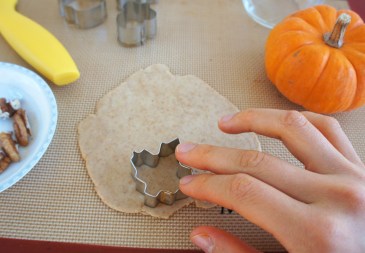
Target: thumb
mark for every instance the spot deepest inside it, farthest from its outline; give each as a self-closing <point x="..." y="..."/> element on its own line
<point x="214" y="240"/>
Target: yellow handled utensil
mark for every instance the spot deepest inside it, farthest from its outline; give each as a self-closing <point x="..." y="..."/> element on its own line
<point x="36" y="45"/>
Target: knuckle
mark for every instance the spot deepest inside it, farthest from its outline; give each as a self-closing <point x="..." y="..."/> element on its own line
<point x="331" y="123"/>
<point x="241" y="188"/>
<point x="252" y="159"/>
<point x="294" y="119"/>
<point x="356" y="198"/>
<point x="352" y="195"/>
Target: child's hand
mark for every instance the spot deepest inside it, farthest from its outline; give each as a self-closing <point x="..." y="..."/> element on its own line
<point x="319" y="209"/>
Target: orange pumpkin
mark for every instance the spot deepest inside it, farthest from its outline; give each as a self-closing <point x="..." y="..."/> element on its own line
<point x="316" y="58"/>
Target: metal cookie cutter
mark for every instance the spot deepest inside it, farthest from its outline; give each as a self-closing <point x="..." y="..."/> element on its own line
<point x="83" y="13"/>
<point x="121" y="3"/>
<point x="136" y="22"/>
<point x="152" y="161"/>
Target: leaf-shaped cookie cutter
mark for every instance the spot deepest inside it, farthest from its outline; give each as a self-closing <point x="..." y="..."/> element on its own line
<point x="83" y="13"/>
<point x="136" y="22"/>
<point x="152" y="160"/>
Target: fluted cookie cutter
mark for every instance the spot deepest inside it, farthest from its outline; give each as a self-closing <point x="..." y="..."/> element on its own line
<point x="152" y="161"/>
<point x="83" y="13"/>
<point x="136" y="22"/>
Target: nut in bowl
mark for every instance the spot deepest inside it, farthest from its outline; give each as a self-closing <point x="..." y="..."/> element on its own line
<point x="9" y="141"/>
<point x="31" y="127"/>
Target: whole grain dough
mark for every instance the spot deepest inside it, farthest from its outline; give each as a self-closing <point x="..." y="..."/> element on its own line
<point x="152" y="106"/>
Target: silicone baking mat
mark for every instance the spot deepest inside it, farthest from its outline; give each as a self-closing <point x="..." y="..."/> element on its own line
<point x="214" y="40"/>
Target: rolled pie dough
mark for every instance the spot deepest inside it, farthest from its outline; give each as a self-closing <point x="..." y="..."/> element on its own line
<point x="152" y="106"/>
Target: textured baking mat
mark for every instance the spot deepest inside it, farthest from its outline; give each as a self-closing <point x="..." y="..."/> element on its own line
<point x="214" y="40"/>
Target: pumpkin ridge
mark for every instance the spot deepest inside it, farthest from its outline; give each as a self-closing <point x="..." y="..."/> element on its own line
<point x="329" y="16"/>
<point x="288" y="55"/>
<point x="350" y="34"/>
<point x="319" y="29"/>
<point x="328" y="55"/>
<point x="306" y="32"/>
<point x="349" y="49"/>
<point x="353" y="100"/>
<point x="315" y="28"/>
<point x="322" y="19"/>
<point x="330" y="108"/>
<point x="301" y="30"/>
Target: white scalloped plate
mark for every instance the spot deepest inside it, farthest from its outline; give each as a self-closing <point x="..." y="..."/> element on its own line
<point x="40" y="104"/>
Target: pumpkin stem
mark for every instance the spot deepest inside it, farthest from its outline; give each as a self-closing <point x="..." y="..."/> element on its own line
<point x="335" y="38"/>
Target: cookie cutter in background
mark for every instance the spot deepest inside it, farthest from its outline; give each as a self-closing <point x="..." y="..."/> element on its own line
<point x="151" y="160"/>
<point x="83" y="13"/>
<point x="121" y="3"/>
<point x="136" y="22"/>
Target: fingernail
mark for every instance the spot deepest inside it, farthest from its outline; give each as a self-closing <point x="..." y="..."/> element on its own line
<point x="227" y="117"/>
<point x="186" y="179"/>
<point x="185" y="147"/>
<point x="204" y="242"/>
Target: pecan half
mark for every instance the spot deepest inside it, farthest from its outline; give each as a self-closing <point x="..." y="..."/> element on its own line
<point x="21" y="128"/>
<point x="4" y="161"/>
<point x="6" y="110"/>
<point x="8" y="145"/>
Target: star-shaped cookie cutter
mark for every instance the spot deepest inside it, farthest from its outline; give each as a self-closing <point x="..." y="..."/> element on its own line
<point x="136" y="22"/>
<point x="83" y="13"/>
<point x="152" y="160"/>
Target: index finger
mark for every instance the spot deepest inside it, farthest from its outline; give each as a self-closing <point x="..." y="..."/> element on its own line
<point x="296" y="132"/>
